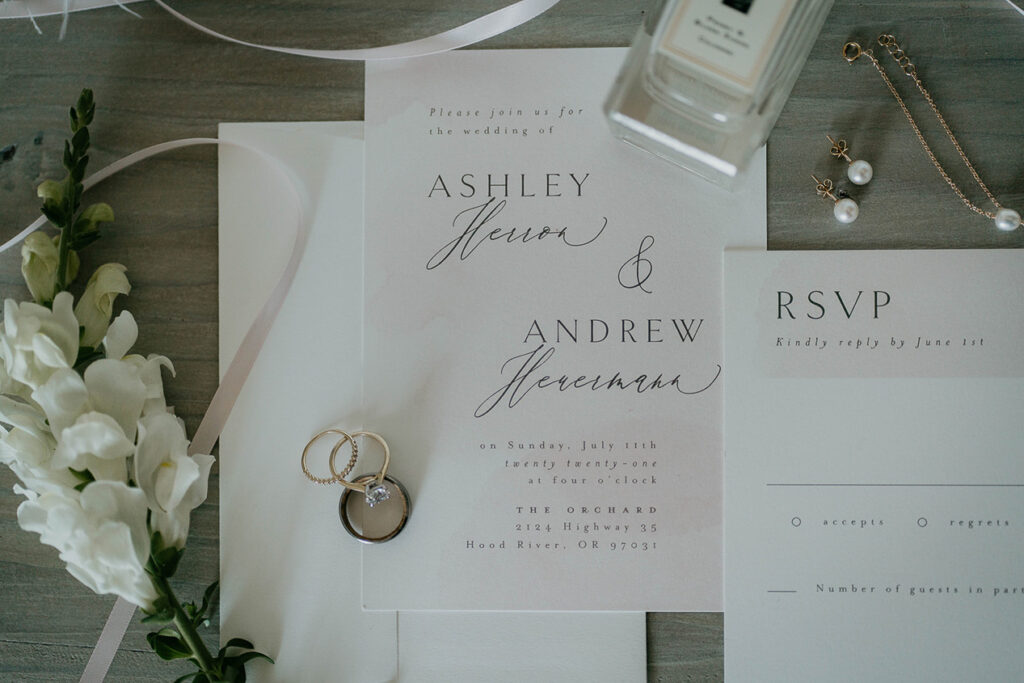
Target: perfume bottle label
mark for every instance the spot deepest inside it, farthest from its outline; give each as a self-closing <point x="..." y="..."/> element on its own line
<point x="728" y="40"/>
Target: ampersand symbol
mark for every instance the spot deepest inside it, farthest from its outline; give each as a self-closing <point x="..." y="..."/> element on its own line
<point x="637" y="270"/>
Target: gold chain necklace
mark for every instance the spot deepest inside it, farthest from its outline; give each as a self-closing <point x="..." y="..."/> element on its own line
<point x="1005" y="219"/>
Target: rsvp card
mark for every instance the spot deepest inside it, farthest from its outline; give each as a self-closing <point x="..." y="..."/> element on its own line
<point x="874" y="481"/>
<point x="543" y="341"/>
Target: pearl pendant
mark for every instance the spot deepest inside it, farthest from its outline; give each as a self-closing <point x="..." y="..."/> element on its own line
<point x="1007" y="219"/>
<point x="846" y="210"/>
<point x="860" y="172"/>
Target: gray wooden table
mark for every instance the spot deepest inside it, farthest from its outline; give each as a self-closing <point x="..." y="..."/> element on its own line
<point x="156" y="79"/>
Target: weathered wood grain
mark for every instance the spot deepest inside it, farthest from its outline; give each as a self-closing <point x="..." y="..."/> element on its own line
<point x="156" y="79"/>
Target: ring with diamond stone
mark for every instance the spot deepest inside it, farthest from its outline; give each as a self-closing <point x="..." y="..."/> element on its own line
<point x="376" y="492"/>
<point x="359" y="485"/>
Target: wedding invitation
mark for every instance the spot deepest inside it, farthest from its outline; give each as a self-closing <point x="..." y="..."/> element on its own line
<point x="290" y="575"/>
<point x="543" y="341"/>
<point x="874" y="502"/>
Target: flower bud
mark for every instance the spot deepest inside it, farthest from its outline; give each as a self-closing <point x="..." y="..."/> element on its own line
<point x="97" y="303"/>
<point x="39" y="259"/>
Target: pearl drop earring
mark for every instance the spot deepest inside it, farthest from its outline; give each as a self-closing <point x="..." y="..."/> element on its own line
<point x="845" y="210"/>
<point x="860" y="171"/>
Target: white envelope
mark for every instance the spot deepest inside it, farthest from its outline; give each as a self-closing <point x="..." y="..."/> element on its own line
<point x="290" y="576"/>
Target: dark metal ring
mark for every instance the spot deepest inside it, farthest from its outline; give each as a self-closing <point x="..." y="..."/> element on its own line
<point x="347" y="523"/>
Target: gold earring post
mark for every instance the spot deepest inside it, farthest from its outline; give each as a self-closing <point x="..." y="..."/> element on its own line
<point x="824" y="188"/>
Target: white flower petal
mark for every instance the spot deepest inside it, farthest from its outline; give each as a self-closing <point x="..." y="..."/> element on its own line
<point x="19" y="446"/>
<point x="95" y="443"/>
<point x="197" y="493"/>
<point x="64" y="330"/>
<point x="175" y="482"/>
<point x="63" y="398"/>
<point x="47" y="352"/>
<point x="108" y="500"/>
<point x="22" y="416"/>
<point x="30" y="458"/>
<point x="149" y="373"/>
<point x="36" y="340"/>
<point x="121" y="336"/>
<point x="173" y="527"/>
<point x="115" y="389"/>
<point x="97" y="434"/>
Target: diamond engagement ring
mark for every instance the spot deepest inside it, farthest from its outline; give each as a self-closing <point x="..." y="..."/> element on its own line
<point x="382" y="493"/>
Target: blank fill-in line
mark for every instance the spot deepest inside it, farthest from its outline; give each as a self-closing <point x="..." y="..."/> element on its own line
<point x="782" y="591"/>
<point x="1010" y="486"/>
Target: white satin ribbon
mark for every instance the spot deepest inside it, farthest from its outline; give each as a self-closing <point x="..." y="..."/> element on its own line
<point x="485" y="27"/>
<point x="26" y="9"/>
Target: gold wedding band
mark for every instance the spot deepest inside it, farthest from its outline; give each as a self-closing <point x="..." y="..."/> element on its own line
<point x="359" y="484"/>
<point x="345" y="437"/>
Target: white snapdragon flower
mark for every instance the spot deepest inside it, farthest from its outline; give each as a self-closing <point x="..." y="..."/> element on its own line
<point x="109" y="386"/>
<point x="95" y="442"/>
<point x="28" y="447"/>
<point x="39" y="260"/>
<point x="36" y="341"/>
<point x="97" y="302"/>
<point x="121" y="336"/>
<point x="93" y="418"/>
<point x="175" y="482"/>
<point x="100" y="533"/>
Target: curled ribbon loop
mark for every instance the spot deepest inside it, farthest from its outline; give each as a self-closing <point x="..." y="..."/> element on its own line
<point x="482" y="28"/>
<point x="485" y="27"/>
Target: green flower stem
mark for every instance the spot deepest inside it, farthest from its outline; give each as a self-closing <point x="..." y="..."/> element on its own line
<point x="185" y="628"/>
<point x="63" y="254"/>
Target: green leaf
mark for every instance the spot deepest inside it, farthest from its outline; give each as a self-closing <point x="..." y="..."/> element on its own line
<point x="168" y="646"/>
<point x="233" y="672"/>
<point x="68" y="160"/>
<point x="211" y="590"/>
<point x="167" y="561"/>
<point x="53" y="214"/>
<point x="246" y="657"/>
<point x="79" y="241"/>
<point x="86" y="107"/>
<point x="78" y="172"/>
<point x="86" y="355"/>
<point x="182" y="679"/>
<point x="80" y="141"/>
<point x="82" y="475"/>
<point x="235" y="642"/>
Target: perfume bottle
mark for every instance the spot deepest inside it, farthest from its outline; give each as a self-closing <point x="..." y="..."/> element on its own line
<point x="705" y="80"/>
